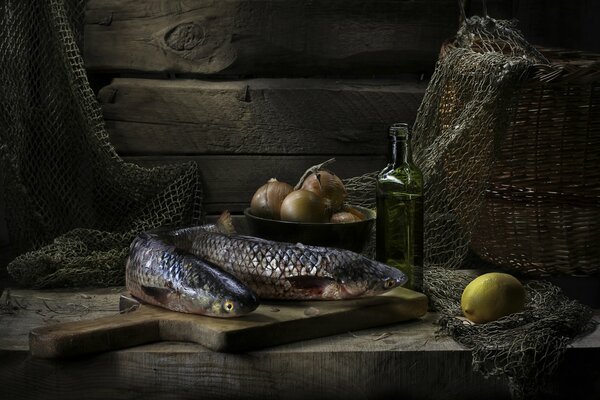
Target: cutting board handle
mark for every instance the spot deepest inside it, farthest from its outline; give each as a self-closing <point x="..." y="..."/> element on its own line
<point x="85" y="337"/>
<point x="271" y="324"/>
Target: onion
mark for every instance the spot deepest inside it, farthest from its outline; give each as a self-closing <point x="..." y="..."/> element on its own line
<point x="329" y="187"/>
<point x="359" y="215"/>
<point x="303" y="206"/>
<point x="324" y="184"/>
<point x="266" y="202"/>
<point x="344" y="217"/>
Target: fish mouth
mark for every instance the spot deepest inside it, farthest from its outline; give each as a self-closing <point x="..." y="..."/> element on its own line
<point x="220" y="306"/>
<point x="239" y="307"/>
<point x="392" y="283"/>
<point x="246" y="308"/>
<point x="239" y="311"/>
<point x="397" y="281"/>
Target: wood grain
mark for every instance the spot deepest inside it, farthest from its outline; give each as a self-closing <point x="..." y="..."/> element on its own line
<point x="22" y="310"/>
<point x="267" y="37"/>
<point x="257" y="116"/>
<point x="271" y="324"/>
<point x="406" y="360"/>
<point x="231" y="180"/>
<point x="180" y="371"/>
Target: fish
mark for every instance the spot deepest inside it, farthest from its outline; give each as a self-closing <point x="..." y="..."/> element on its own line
<point x="159" y="273"/>
<point x="280" y="270"/>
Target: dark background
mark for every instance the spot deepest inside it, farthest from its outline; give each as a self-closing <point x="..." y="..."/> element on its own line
<point x="555" y="23"/>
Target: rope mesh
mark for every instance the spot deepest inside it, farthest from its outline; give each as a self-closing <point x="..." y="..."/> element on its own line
<point x="73" y="205"/>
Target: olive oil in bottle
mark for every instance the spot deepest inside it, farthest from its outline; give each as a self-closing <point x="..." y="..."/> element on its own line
<point x="400" y="210"/>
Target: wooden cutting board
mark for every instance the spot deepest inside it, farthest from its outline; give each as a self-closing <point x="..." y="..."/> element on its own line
<point x="271" y="324"/>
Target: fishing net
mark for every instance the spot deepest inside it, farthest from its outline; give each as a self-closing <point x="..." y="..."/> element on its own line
<point x="73" y="205"/>
<point x="460" y="125"/>
<point x="525" y="347"/>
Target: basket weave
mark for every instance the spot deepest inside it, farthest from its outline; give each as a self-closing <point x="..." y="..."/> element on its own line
<point x="542" y="209"/>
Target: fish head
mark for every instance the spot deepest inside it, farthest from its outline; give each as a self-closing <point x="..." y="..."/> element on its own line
<point x="203" y="288"/>
<point x="363" y="277"/>
<point x="356" y="276"/>
<point x="239" y="300"/>
<point x="226" y="298"/>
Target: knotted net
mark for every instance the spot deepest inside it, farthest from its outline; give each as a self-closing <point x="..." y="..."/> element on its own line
<point x="73" y="205"/>
<point x="460" y="125"/>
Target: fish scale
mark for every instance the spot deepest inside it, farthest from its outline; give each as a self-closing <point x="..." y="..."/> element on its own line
<point x="277" y="270"/>
<point x="161" y="274"/>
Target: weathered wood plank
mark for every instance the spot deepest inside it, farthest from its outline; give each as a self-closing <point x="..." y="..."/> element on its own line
<point x="406" y="360"/>
<point x="182" y="371"/>
<point x="22" y="310"/>
<point x="3" y="229"/>
<point x="231" y="180"/>
<point x="5" y="250"/>
<point x="272" y="323"/>
<point x="174" y="373"/>
<point x="259" y="116"/>
<point x="273" y="37"/>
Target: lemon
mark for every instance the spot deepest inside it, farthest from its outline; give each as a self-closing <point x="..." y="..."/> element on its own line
<point x="491" y="296"/>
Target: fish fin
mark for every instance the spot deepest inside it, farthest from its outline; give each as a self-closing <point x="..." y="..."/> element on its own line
<point x="225" y="223"/>
<point x="255" y="239"/>
<point x="316" y="283"/>
<point x="160" y="294"/>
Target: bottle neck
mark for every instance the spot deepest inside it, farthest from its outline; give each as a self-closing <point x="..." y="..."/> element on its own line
<point x="400" y="152"/>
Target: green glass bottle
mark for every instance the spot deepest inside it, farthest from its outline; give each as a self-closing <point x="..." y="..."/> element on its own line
<point x="400" y="210"/>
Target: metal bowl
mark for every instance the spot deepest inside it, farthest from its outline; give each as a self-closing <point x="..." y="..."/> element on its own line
<point x="351" y="235"/>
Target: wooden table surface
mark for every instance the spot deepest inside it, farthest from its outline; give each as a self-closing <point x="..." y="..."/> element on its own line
<point x="407" y="360"/>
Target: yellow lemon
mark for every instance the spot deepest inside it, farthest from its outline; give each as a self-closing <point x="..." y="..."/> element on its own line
<point x="491" y="296"/>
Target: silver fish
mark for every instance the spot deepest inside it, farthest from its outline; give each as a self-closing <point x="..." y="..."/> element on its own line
<point x="277" y="270"/>
<point x="160" y="274"/>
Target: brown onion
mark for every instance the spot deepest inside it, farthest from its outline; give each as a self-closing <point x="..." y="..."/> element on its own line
<point x="359" y="215"/>
<point x="344" y="217"/>
<point x="303" y="206"/>
<point x="266" y="202"/>
<point x="329" y="187"/>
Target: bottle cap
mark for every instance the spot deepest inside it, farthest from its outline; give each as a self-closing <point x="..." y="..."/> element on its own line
<point x="400" y="130"/>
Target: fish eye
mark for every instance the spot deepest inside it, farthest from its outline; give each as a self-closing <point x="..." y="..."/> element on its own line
<point x="389" y="283"/>
<point x="228" y="305"/>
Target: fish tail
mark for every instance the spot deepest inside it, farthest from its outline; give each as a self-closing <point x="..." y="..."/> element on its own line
<point x="225" y="223"/>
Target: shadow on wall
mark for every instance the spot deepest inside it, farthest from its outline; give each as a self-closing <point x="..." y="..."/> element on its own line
<point x="5" y="255"/>
<point x="559" y="23"/>
<point x="3" y="230"/>
<point x="550" y="23"/>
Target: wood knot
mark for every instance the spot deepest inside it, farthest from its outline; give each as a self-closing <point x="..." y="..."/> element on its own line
<point x="107" y="95"/>
<point x="185" y="36"/>
<point x="106" y="20"/>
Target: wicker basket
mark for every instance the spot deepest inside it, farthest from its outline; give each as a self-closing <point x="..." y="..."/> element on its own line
<point x="542" y="208"/>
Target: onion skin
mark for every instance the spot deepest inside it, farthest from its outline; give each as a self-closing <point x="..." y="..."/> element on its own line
<point x="344" y="217"/>
<point x="329" y="187"/>
<point x="266" y="202"/>
<point x="359" y="215"/>
<point x="303" y="206"/>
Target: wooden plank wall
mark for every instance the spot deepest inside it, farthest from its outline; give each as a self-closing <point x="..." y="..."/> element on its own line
<point x="259" y="89"/>
<point x="274" y="37"/>
<point x="252" y="89"/>
<point x="243" y="132"/>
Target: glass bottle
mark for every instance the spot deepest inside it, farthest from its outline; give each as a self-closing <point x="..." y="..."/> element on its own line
<point x="400" y="210"/>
